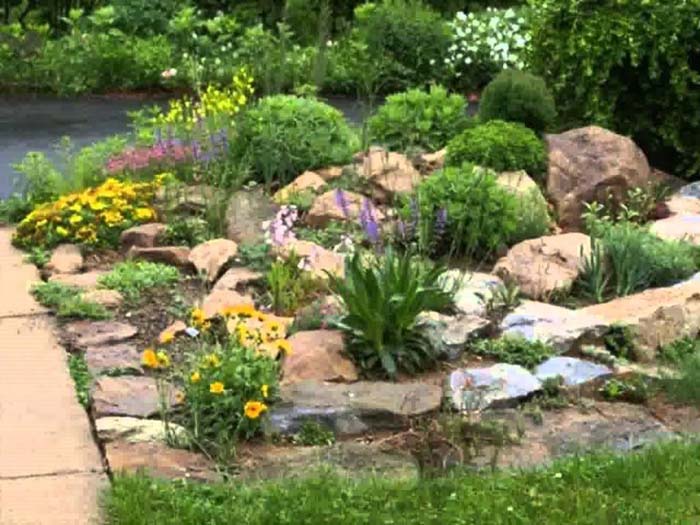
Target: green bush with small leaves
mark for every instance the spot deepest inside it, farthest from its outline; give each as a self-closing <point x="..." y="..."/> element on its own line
<point x="516" y="96"/>
<point x="67" y="302"/>
<point x="418" y="118"/>
<point x="133" y="278"/>
<point x="514" y="350"/>
<point x="282" y="136"/>
<point x="501" y="146"/>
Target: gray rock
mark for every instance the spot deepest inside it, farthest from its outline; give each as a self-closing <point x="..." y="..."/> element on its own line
<point x="449" y="335"/>
<point x="352" y="408"/>
<point x="99" y="333"/>
<point x="560" y="327"/>
<point x="572" y="370"/>
<point x="496" y="386"/>
<point x="101" y="359"/>
<point x="472" y="289"/>
<point x="127" y="396"/>
<point x="691" y="190"/>
<point x="136" y="430"/>
<point x="247" y="210"/>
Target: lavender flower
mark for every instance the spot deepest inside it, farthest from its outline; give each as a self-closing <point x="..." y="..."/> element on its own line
<point x="368" y="222"/>
<point x="280" y="229"/>
<point x="342" y="202"/>
<point x="440" y="226"/>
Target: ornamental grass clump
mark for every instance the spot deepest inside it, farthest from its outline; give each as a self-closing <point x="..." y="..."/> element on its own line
<point x="95" y="216"/>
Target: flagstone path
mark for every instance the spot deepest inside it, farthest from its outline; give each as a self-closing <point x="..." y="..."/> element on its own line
<point x="51" y="471"/>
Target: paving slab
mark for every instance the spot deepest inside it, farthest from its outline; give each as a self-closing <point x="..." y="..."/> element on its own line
<point x="16" y="278"/>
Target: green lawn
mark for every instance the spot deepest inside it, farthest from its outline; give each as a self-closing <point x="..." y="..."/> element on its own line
<point x="661" y="486"/>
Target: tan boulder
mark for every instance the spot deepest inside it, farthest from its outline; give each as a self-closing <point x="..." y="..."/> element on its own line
<point x="518" y="182"/>
<point x="173" y="330"/>
<point x="591" y="164"/>
<point x="307" y="181"/>
<point x="108" y="298"/>
<point x="143" y="235"/>
<point x="317" y="355"/>
<point x="657" y="317"/>
<point x="316" y="259"/>
<point x="85" y="281"/>
<point x="330" y="173"/>
<point x="545" y="265"/>
<point x="65" y="258"/>
<point x="172" y="255"/>
<point x="245" y="213"/>
<point x="389" y="173"/>
<point x="433" y="161"/>
<point x="237" y="278"/>
<point x="210" y="257"/>
<point x="326" y="208"/>
<point x="681" y="227"/>
<point x="217" y="300"/>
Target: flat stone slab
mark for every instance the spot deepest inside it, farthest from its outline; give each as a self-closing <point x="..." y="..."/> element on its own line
<point x="472" y="289"/>
<point x="127" y="396"/>
<point x="681" y="227"/>
<point x="99" y="333"/>
<point x="235" y="279"/>
<point x="85" y="281"/>
<point x="502" y="384"/>
<point x="572" y="370"/>
<point x="317" y="355"/>
<point x="101" y="359"/>
<point x="449" y="334"/>
<point x="352" y="408"/>
<point x="137" y="430"/>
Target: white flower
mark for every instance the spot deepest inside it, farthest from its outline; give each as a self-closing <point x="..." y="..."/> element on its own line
<point x="169" y="73"/>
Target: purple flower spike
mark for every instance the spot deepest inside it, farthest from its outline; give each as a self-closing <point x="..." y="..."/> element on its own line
<point x="369" y="223"/>
<point x="440" y="227"/>
<point x="341" y="201"/>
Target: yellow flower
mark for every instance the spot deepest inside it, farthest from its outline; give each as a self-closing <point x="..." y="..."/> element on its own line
<point x="197" y="317"/>
<point x="212" y="360"/>
<point x="195" y="377"/>
<point x="112" y="218"/>
<point x="179" y="397"/>
<point x="41" y="223"/>
<point x="217" y="387"/>
<point x="77" y="208"/>
<point x="62" y="231"/>
<point x="269" y="349"/>
<point x="149" y="358"/>
<point x="163" y="359"/>
<point x="96" y="205"/>
<point x="166" y="337"/>
<point x="241" y="310"/>
<point x="253" y="409"/>
<point x="143" y="214"/>
<point x="264" y="391"/>
<point x="283" y="345"/>
<point x="87" y="234"/>
<point x="75" y="219"/>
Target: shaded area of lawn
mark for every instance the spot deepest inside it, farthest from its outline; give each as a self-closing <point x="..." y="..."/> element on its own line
<point x="661" y="485"/>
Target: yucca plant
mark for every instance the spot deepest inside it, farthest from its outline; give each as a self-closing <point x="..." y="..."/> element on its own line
<point x="383" y="298"/>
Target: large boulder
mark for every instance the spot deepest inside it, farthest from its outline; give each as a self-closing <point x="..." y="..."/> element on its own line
<point x="656" y="317"/>
<point x="308" y="181"/>
<point x="246" y="211"/>
<point x="338" y="205"/>
<point x="317" y="355"/>
<point x="389" y="173"/>
<point x="591" y="164"/>
<point x="143" y="235"/>
<point x="219" y="299"/>
<point x="545" y="265"/>
<point x="65" y="258"/>
<point x="210" y="257"/>
<point x="172" y="255"/>
<point x="473" y="389"/>
<point x="317" y="259"/>
<point x="564" y="329"/>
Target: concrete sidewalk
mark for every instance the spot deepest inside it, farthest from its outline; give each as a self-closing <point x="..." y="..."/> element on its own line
<point x="50" y="468"/>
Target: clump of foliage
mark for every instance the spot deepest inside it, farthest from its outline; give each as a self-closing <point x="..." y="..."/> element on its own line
<point x="620" y="341"/>
<point x="514" y="350"/>
<point x="284" y="135"/>
<point x="632" y="389"/>
<point x="255" y="256"/>
<point x="38" y="256"/>
<point x="313" y="434"/>
<point x="382" y="299"/>
<point x="685" y="387"/>
<point x="289" y="286"/>
<point x="501" y="146"/>
<point x="95" y="216"/>
<point x="679" y="350"/>
<point x="516" y="96"/>
<point x="533" y="215"/>
<point x="630" y="67"/>
<point x="67" y="302"/>
<point x="81" y="378"/>
<point x="461" y="211"/>
<point x="417" y="118"/>
<point x="133" y="278"/>
<point x="187" y="231"/>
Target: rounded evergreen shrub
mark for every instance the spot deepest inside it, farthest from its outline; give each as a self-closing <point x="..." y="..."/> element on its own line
<point x="501" y="146"/>
<point x="282" y="135"/>
<point x="416" y="118"/>
<point x="632" y="66"/>
<point x="462" y="211"/>
<point x="516" y="96"/>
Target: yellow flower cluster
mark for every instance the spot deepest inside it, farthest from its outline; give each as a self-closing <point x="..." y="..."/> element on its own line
<point x="93" y="216"/>
<point x="214" y="103"/>
<point x="155" y="359"/>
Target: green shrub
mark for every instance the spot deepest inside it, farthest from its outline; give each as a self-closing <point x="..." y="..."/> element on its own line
<point x="685" y="388"/>
<point x="82" y="380"/>
<point x="289" y="286"/>
<point x="132" y="278"/>
<point x="514" y="350"/>
<point x="629" y="66"/>
<point x="515" y="96"/>
<point x="406" y="42"/>
<point x="478" y="214"/>
<point x="67" y="303"/>
<point x="680" y="349"/>
<point x="284" y="135"/>
<point x="417" y="118"/>
<point x="187" y="231"/>
<point x="501" y="146"/>
<point x="383" y="298"/>
<point x="533" y="216"/>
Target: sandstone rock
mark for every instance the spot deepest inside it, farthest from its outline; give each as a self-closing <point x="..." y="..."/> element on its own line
<point x="572" y="370"/>
<point x="330" y="173"/>
<point x="326" y="208"/>
<point x="317" y="355"/>
<point x="107" y="298"/>
<point x="317" y="259"/>
<point x="160" y="461"/>
<point x="449" y="335"/>
<point x="473" y="389"/>
<point x="65" y="258"/>
<point x="545" y="265"/>
<point x="85" y="281"/>
<point x="173" y="255"/>
<point x="136" y="430"/>
<point x="560" y="327"/>
<point x="210" y="257"/>
<point x="518" y="182"/>
<point x="175" y="329"/>
<point x="142" y="236"/>
<point x="246" y="211"/>
<point x="352" y="408"/>
<point x="590" y="164"/>
<point x="389" y="173"/>
<point x="217" y="300"/>
<point x="681" y="205"/>
<point x="472" y="289"/>
<point x="237" y="278"/>
<point x="187" y="199"/>
<point x="679" y="227"/>
<point x="135" y="396"/>
<point x="657" y="316"/>
<point x="102" y="359"/>
<point x="434" y="161"/>
<point x="99" y="333"/>
<point x="307" y="181"/>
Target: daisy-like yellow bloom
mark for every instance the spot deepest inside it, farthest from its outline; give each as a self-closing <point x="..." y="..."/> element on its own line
<point x="253" y="409"/>
<point x="166" y="338"/>
<point x="144" y="214"/>
<point x="75" y="219"/>
<point x="195" y="377"/>
<point x="283" y="346"/>
<point x="149" y="358"/>
<point x="212" y="360"/>
<point x="240" y="310"/>
<point x="197" y="317"/>
<point x="112" y="218"/>
<point x="97" y="205"/>
<point x="264" y="391"/>
<point x="163" y="359"/>
<point x="217" y="387"/>
<point x="77" y="207"/>
<point x="62" y="231"/>
<point x="41" y="223"/>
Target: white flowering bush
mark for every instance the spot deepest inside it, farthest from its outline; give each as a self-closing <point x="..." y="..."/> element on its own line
<point x="485" y="43"/>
